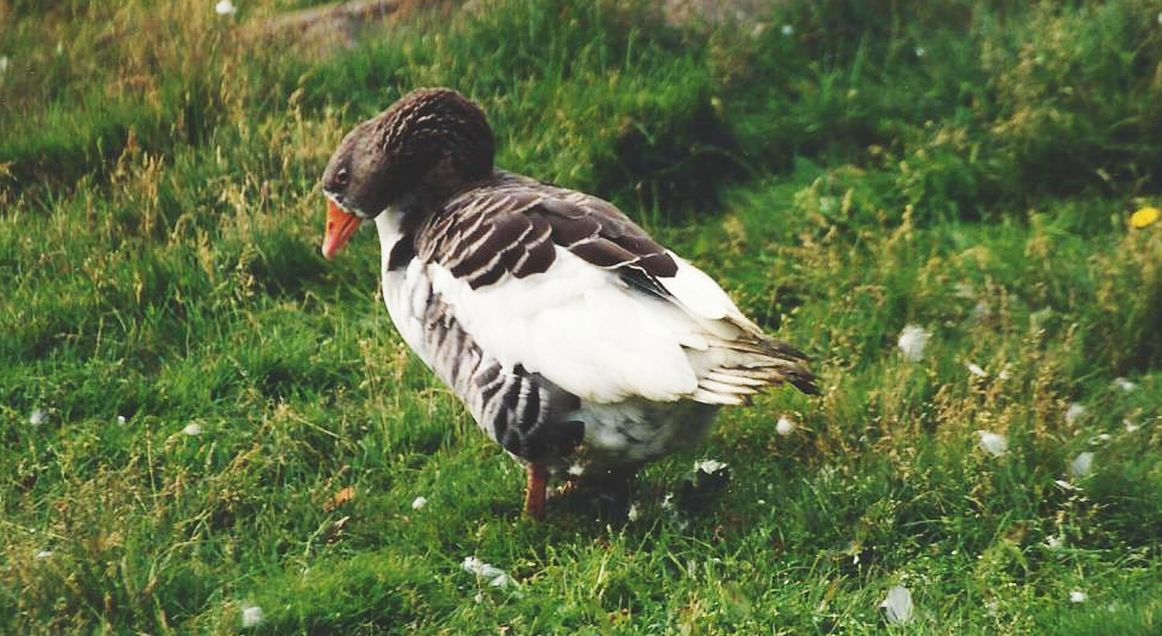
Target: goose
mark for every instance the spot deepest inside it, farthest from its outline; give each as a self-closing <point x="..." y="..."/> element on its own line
<point x="577" y="342"/>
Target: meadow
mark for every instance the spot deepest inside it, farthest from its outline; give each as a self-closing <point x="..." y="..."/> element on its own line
<point x="207" y="428"/>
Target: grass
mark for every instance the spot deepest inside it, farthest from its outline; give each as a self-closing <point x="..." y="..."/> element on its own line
<point x="968" y="167"/>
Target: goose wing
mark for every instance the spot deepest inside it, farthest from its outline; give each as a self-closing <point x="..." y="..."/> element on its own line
<point x="567" y="286"/>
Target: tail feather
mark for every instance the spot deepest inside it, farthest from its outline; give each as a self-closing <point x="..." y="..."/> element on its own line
<point x="723" y="399"/>
<point x="747" y="365"/>
<point x="732" y="358"/>
<point x="726" y="388"/>
<point x="740" y="379"/>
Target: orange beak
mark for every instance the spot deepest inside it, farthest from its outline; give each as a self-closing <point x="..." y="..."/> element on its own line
<point x="341" y="227"/>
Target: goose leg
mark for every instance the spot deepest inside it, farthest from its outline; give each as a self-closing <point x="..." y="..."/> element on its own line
<point x="535" y="495"/>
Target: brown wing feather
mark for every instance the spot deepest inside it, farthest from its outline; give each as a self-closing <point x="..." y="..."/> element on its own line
<point x="512" y="225"/>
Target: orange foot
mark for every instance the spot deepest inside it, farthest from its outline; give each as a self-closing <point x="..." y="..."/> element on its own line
<point x="535" y="495"/>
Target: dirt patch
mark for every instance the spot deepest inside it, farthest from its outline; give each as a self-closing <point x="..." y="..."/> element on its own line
<point x="713" y="12"/>
<point x="339" y="26"/>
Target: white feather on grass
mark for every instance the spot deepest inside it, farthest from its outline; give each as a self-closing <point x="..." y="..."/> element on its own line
<point x="252" y="616"/>
<point x="898" y="605"/>
<point x="1074" y="413"/>
<point x="994" y="444"/>
<point x="495" y="576"/>
<point x="912" y="342"/>
<point x="1081" y="465"/>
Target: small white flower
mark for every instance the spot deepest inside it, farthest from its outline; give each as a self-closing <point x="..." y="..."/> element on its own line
<point x="252" y="616"/>
<point x="785" y="426"/>
<point x="921" y="51"/>
<point x="976" y="370"/>
<point x="1130" y="425"/>
<point x="913" y="339"/>
<point x="709" y="466"/>
<point x="789" y="30"/>
<point x="38" y="417"/>
<point x="121" y="419"/>
<point x="419" y="502"/>
<point x="225" y="7"/>
<point x="1124" y="384"/>
<point x="1055" y="542"/>
<point x="1077" y="596"/>
<point x="898" y="605"/>
<point x="576" y="470"/>
<point x="192" y="429"/>
<point x="994" y="444"/>
<point x="1081" y="465"/>
<point x="1074" y="413"/>
<point x="634" y="513"/>
<point x="44" y="554"/>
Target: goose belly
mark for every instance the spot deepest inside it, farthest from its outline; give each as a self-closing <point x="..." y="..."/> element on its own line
<point x="637" y="431"/>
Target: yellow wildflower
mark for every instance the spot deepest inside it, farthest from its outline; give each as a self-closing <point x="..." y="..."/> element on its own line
<point x="1145" y="217"/>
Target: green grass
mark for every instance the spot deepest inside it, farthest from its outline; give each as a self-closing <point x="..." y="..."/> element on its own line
<point x="968" y="167"/>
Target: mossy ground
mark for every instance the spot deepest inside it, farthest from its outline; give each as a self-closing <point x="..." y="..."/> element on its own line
<point x="844" y="168"/>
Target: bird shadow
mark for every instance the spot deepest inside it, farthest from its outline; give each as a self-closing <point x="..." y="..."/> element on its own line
<point x="598" y="508"/>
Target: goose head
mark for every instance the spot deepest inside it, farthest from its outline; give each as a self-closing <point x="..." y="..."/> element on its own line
<point x="411" y="158"/>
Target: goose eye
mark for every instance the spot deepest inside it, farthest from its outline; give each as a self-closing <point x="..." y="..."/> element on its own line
<point x="341" y="177"/>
